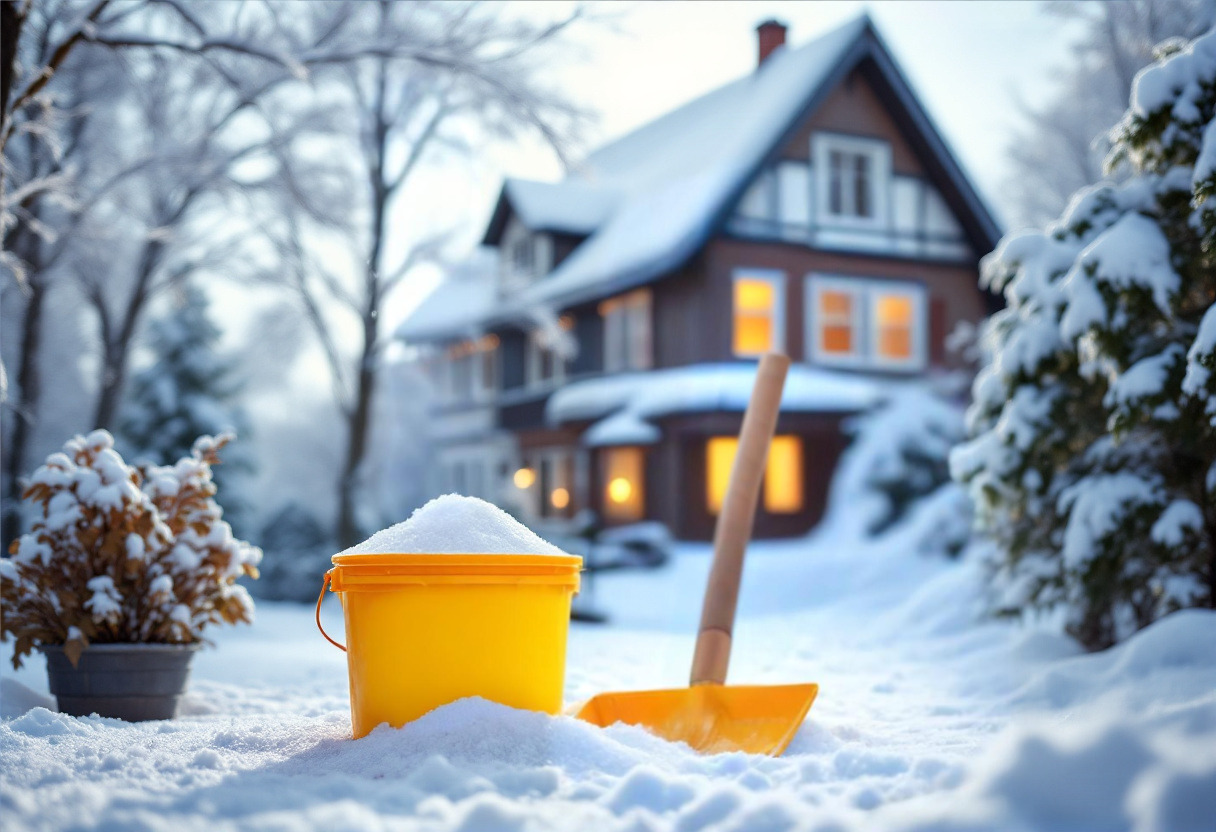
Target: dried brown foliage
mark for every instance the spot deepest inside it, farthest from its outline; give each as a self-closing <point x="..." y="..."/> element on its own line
<point x="121" y="554"/>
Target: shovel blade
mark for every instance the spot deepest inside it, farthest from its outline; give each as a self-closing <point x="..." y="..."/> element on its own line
<point x="757" y="719"/>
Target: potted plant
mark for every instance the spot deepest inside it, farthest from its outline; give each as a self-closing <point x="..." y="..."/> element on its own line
<point x="123" y="570"/>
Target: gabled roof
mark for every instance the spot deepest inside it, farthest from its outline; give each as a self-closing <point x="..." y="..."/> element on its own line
<point x="459" y="305"/>
<point x="568" y="207"/>
<point x="650" y="200"/>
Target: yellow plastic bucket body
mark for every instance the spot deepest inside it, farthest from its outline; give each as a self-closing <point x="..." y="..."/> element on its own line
<point x="426" y="630"/>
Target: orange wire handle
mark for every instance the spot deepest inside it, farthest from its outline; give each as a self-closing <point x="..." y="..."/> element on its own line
<point x="320" y="598"/>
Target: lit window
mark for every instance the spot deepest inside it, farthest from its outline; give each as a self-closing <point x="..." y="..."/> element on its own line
<point x="719" y="459"/>
<point x="782" y="473"/>
<point x="783" y="476"/>
<point x="866" y="323"/>
<point x="836" y="313"/>
<point x="627" y="327"/>
<point x="758" y="309"/>
<point x="524" y="478"/>
<point x="893" y="326"/>
<point x="559" y="498"/>
<point x="623" y="475"/>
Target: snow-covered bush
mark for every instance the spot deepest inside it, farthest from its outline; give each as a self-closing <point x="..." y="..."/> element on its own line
<point x="899" y="455"/>
<point x="1093" y="451"/>
<point x="297" y="553"/>
<point x="123" y="555"/>
<point x="897" y="468"/>
<point x="187" y="390"/>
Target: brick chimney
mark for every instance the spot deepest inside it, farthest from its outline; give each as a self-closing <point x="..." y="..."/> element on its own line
<point x="771" y="34"/>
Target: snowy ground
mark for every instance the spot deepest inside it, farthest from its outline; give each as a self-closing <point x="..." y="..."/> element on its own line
<point x="926" y="720"/>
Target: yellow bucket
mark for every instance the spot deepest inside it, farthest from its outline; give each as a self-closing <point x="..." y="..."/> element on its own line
<point x="426" y="630"/>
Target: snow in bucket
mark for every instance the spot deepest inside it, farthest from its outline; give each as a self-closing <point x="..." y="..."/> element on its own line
<point x="456" y="525"/>
<point x="491" y="598"/>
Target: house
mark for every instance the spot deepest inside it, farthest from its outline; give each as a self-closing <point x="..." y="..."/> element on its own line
<point x="599" y="350"/>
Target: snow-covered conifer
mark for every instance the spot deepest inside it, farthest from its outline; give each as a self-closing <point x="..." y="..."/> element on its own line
<point x="187" y="391"/>
<point x="1093" y="452"/>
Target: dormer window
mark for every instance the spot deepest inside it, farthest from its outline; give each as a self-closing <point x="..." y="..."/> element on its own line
<point x="852" y="178"/>
<point x="523" y="255"/>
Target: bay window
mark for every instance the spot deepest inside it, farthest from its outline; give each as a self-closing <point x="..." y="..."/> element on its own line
<point x="783" y="478"/>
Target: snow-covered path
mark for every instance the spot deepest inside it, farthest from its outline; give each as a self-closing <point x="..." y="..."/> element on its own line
<point x="927" y="719"/>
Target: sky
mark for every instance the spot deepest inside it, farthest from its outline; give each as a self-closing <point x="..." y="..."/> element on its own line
<point x="970" y="62"/>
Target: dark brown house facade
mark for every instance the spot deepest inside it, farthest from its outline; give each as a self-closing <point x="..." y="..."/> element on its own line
<point x="598" y="352"/>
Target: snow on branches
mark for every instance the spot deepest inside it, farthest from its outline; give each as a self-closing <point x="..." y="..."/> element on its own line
<point x="1092" y="457"/>
<point x="121" y="554"/>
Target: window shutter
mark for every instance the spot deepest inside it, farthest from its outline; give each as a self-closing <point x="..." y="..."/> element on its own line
<point x="937" y="331"/>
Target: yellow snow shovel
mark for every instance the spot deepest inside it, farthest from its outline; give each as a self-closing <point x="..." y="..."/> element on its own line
<point x="709" y="715"/>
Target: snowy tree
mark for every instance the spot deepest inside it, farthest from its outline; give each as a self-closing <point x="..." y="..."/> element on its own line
<point x="1062" y="144"/>
<point x="126" y="127"/>
<point x="1093" y="457"/>
<point x="450" y="77"/>
<point x="188" y="390"/>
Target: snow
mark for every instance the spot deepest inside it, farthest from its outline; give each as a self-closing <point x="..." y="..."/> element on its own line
<point x="572" y="207"/>
<point x="1179" y="518"/>
<point x="1144" y="379"/>
<point x="1176" y="81"/>
<point x="630" y="400"/>
<point x="458" y="306"/>
<point x="1205" y="163"/>
<point x="1095" y="506"/>
<point x="930" y="716"/>
<point x="456" y="525"/>
<point x="674" y="174"/>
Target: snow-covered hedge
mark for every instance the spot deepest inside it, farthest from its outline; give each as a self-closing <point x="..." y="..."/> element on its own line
<point x="1093" y="450"/>
<point x="121" y="554"/>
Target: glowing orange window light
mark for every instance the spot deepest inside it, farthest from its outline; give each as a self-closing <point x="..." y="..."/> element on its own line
<point x="755" y="305"/>
<point x="836" y="322"/>
<point x="719" y="459"/>
<point x="624" y="471"/>
<point x="894" y="318"/>
<point x="524" y="478"/>
<point x="783" y="476"/>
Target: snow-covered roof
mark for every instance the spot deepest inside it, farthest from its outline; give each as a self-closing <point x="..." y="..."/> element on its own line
<point x="661" y="190"/>
<point x="459" y="306"/>
<point x="675" y="173"/>
<point x="625" y="404"/>
<point x="571" y="206"/>
<point x="649" y="200"/>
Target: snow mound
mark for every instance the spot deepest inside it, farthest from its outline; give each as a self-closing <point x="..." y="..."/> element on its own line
<point x="456" y="525"/>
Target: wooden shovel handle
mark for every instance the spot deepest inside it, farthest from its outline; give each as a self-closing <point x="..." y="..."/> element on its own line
<point x="734" y="529"/>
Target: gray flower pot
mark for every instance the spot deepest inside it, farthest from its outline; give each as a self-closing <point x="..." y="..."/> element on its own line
<point x="135" y="682"/>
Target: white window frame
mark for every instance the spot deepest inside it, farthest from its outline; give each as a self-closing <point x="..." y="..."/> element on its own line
<point x="879" y="152"/>
<point x="533" y="362"/>
<point x="918" y="359"/>
<point x="775" y="278"/>
<point x="865" y="291"/>
<point x="816" y="285"/>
